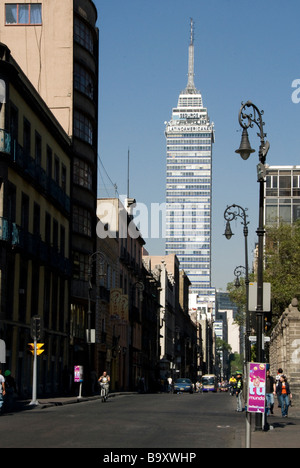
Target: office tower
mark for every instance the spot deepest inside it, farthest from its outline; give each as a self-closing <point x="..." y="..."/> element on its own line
<point x="189" y="137"/>
<point x="56" y="44"/>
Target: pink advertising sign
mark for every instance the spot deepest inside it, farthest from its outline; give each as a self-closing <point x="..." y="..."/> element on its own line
<point x="78" y="374"/>
<point x="256" y="388"/>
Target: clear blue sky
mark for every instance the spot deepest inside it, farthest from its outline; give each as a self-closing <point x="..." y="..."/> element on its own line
<point x="243" y="51"/>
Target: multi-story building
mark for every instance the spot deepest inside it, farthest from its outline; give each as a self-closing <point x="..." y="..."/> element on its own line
<point x="56" y="44"/>
<point x="282" y="195"/>
<point x="35" y="269"/>
<point x="126" y="299"/>
<point x="177" y="333"/>
<point x="189" y="138"/>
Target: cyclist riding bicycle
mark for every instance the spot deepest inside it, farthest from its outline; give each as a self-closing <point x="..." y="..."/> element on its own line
<point x="104" y="384"/>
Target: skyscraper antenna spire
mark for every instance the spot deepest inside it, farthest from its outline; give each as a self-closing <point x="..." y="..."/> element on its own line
<point x="190" y="89"/>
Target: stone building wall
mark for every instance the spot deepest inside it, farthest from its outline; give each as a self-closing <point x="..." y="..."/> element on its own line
<point x="285" y="347"/>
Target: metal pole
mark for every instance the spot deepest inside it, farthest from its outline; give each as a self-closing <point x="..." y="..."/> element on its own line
<point x="34" y="376"/>
<point x="248" y="330"/>
<point x="260" y="290"/>
<point x="248" y="430"/>
<point x="248" y="120"/>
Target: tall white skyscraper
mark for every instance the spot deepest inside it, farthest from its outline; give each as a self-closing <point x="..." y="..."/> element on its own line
<point x="189" y="137"/>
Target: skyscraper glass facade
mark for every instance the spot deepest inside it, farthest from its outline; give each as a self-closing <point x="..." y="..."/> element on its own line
<point x="189" y="138"/>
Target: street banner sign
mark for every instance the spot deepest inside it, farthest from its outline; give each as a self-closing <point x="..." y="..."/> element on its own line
<point x="78" y="374"/>
<point x="256" y="387"/>
<point x="252" y="304"/>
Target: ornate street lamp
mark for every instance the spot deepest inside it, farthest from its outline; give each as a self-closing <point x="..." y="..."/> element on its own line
<point x="94" y="257"/>
<point x="247" y="120"/>
<point x="237" y="273"/>
<point x="233" y="212"/>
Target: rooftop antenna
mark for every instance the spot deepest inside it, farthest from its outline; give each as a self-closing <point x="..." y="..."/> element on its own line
<point x="128" y="173"/>
<point x="130" y="201"/>
<point x="191" y="85"/>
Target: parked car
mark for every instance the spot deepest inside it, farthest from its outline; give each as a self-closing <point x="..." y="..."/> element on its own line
<point x="183" y="385"/>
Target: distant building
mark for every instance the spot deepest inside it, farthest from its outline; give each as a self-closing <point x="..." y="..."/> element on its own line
<point x="178" y="339"/>
<point x="123" y="320"/>
<point x="282" y="195"/>
<point x="226" y="329"/>
<point x="189" y="138"/>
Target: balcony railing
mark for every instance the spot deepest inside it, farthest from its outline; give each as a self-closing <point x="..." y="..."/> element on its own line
<point x="32" y="244"/>
<point x="5" y="142"/>
<point x="30" y="168"/>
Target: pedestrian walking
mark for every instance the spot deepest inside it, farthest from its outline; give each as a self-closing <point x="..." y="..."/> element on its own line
<point x="270" y="392"/>
<point x="279" y="374"/>
<point x="285" y="394"/>
<point x="232" y="383"/>
<point x="239" y="392"/>
<point x="2" y="391"/>
<point x="170" y="384"/>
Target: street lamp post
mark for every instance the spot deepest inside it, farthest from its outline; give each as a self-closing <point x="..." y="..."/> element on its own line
<point x="233" y="212"/>
<point x="247" y="120"/>
<point x="92" y="258"/>
<point x="238" y="271"/>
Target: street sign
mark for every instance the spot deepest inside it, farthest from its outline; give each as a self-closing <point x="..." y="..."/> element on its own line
<point x="256" y="387"/>
<point x="92" y="336"/>
<point x="252" y="305"/>
<point x="2" y="352"/>
<point x="253" y="339"/>
<point x="78" y="374"/>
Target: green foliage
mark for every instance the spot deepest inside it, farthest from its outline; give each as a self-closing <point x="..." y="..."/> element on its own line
<point x="221" y="345"/>
<point x="282" y="270"/>
<point x="236" y="363"/>
<point x="238" y="297"/>
<point x="282" y="262"/>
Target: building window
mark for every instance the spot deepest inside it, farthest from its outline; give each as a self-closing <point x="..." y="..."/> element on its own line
<point x="80" y="266"/>
<point x="83" y="81"/>
<point x="83" y="35"/>
<point x="83" y="127"/>
<point x="285" y="185"/>
<point x="23" y="14"/>
<point x="82" y="221"/>
<point x="64" y="178"/>
<point x="83" y="174"/>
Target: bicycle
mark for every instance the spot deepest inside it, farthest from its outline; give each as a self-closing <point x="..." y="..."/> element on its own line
<point x="104" y="391"/>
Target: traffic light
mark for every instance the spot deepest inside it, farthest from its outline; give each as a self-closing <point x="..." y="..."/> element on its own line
<point x="39" y="349"/>
<point x="36" y="327"/>
<point x="268" y="321"/>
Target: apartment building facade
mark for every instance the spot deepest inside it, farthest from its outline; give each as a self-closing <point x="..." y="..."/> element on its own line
<point x="56" y="44"/>
<point x="35" y="216"/>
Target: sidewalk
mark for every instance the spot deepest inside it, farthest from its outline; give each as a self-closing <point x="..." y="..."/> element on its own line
<point x="283" y="433"/>
<point x="64" y="400"/>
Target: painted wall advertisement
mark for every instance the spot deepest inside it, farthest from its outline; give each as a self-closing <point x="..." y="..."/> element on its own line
<point x="256" y="388"/>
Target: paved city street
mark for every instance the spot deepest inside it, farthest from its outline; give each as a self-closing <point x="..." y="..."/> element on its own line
<point x="131" y="421"/>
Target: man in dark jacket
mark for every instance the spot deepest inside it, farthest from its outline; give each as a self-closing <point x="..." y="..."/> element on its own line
<point x="270" y="392"/>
